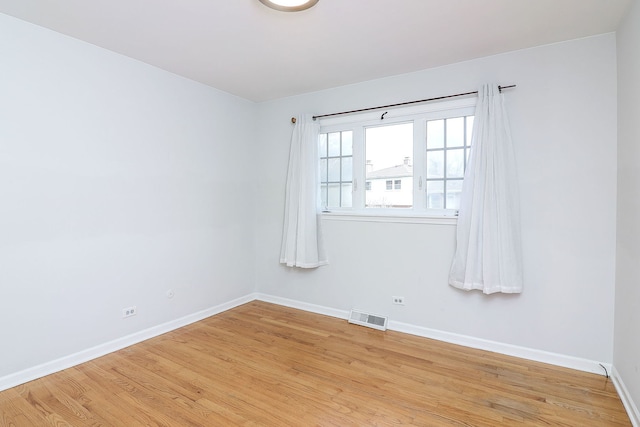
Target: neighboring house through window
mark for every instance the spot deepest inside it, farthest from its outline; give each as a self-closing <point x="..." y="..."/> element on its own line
<point x="386" y="189"/>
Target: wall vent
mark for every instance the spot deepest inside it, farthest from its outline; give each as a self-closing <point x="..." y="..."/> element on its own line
<point x="374" y="321"/>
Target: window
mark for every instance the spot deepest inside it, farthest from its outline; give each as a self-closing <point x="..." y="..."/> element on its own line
<point x="448" y="143"/>
<point x="336" y="166"/>
<point x="388" y="149"/>
<point x="412" y="161"/>
<point x="390" y="184"/>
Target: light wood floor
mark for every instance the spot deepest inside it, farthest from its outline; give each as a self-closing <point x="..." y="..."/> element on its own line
<point x="266" y="365"/>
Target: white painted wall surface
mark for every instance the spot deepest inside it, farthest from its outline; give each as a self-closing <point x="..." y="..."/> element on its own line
<point x="118" y="181"/>
<point x="627" y="309"/>
<point x="563" y="116"/>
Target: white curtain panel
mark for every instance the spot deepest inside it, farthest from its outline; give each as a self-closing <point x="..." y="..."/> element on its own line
<point x="488" y="254"/>
<point x="302" y="244"/>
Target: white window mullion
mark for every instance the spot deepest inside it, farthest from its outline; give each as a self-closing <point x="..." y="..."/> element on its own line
<point x="419" y="164"/>
<point x="359" y="169"/>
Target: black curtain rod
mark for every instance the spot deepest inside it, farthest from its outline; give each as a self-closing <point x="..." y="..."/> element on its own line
<point x="404" y="103"/>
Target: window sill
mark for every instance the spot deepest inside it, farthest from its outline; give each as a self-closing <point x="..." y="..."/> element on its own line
<point x="394" y="217"/>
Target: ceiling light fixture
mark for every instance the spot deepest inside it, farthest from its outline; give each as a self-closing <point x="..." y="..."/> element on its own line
<point x="289" y="5"/>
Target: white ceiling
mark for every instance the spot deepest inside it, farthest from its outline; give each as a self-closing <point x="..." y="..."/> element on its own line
<point x="244" y="48"/>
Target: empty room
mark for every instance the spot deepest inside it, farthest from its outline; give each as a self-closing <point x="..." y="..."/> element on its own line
<point x="345" y="213"/>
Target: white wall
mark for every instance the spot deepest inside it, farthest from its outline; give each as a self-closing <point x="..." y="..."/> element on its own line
<point x="563" y="116"/>
<point x="627" y="317"/>
<point x="118" y="181"/>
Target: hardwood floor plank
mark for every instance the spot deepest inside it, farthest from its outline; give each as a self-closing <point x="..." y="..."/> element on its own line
<point x="267" y="365"/>
<point x="15" y="411"/>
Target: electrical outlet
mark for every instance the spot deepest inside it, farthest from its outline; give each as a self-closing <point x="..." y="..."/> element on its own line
<point x="398" y="300"/>
<point x="129" y="311"/>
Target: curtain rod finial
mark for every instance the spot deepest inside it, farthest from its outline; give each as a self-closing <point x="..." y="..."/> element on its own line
<point x="293" y="120"/>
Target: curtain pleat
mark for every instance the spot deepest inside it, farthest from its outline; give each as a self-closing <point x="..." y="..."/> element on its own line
<point x="488" y="254"/>
<point x="302" y="244"/>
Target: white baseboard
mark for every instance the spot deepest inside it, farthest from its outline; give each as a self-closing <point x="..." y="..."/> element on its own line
<point x="464" y="340"/>
<point x="313" y="308"/>
<point x="65" y="362"/>
<point x="627" y="401"/>
<point x="556" y="359"/>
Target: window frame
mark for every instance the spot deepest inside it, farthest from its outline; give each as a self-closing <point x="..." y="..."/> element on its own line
<point x="340" y="157"/>
<point x="419" y="115"/>
<point x="447" y="150"/>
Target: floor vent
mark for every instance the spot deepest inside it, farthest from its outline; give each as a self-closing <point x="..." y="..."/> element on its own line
<point x="359" y="317"/>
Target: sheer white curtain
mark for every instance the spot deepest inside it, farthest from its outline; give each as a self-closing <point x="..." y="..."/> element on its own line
<point x="302" y="244"/>
<point x="488" y="254"/>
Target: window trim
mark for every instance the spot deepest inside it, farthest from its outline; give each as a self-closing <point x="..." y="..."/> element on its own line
<point x="419" y="115"/>
<point x="390" y="216"/>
